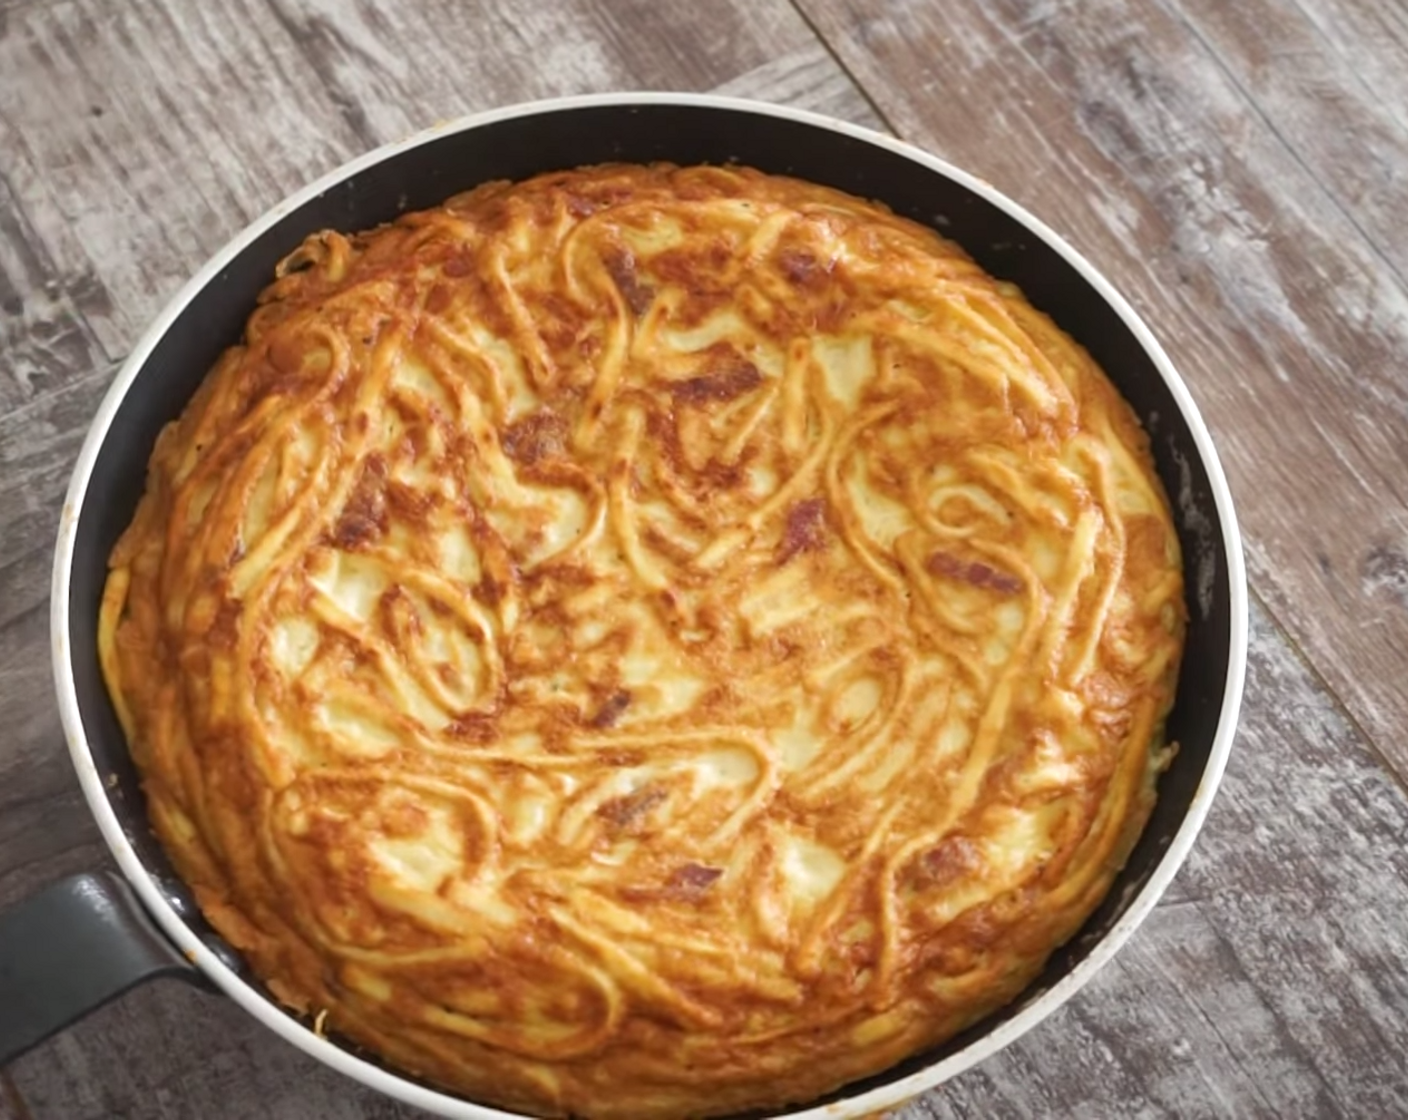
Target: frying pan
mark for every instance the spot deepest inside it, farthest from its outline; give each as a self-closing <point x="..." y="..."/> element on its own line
<point x="86" y="939"/>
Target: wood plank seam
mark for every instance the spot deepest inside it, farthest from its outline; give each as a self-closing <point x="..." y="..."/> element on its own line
<point x="353" y="115"/>
<point x="1286" y="1037"/>
<point x="1216" y="58"/>
<point x="1368" y="90"/>
<point x="841" y="65"/>
<point x="1323" y="682"/>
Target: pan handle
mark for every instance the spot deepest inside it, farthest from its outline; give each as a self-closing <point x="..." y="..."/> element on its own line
<point x="70" y="949"/>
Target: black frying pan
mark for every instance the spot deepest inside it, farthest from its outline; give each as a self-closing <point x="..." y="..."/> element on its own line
<point x="87" y="939"/>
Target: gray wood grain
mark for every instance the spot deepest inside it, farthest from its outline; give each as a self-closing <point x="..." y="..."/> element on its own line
<point x="168" y="1052"/>
<point x="149" y="133"/>
<point x="42" y="335"/>
<point x="44" y="830"/>
<point x="402" y="67"/>
<point x="1328" y="95"/>
<point x="1233" y="212"/>
<point x="39" y="441"/>
<point x="806" y="79"/>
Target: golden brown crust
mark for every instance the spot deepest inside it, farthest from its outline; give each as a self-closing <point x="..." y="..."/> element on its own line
<point x="647" y="641"/>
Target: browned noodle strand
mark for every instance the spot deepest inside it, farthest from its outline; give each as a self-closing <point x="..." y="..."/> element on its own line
<point x="647" y="641"/>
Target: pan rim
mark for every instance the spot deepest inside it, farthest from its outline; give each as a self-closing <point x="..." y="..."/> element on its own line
<point x="442" y="1103"/>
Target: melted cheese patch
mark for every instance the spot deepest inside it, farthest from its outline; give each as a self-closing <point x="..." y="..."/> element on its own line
<point x="294" y="642"/>
<point x="351" y="584"/>
<point x="426" y="858"/>
<point x="647" y="642"/>
<point x="810" y="870"/>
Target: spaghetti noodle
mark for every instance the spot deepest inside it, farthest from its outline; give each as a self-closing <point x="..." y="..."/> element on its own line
<point x="646" y="641"/>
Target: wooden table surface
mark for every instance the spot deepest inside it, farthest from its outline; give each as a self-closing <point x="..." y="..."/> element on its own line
<point x="1239" y="169"/>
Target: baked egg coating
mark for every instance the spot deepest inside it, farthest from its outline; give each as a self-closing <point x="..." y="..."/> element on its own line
<point x="647" y="641"/>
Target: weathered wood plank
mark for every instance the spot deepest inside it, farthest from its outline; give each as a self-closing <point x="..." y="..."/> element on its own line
<point x="45" y="828"/>
<point x="142" y="136"/>
<point x="42" y="336"/>
<point x="1115" y="123"/>
<point x="169" y="1052"/>
<point x="807" y="78"/>
<point x="1332" y="960"/>
<point x="38" y="444"/>
<point x="7" y="7"/>
<point x="1340" y="118"/>
<point x="1369" y="40"/>
<point x="406" y="66"/>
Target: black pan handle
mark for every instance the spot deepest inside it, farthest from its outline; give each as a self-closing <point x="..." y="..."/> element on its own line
<point x="70" y="949"/>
